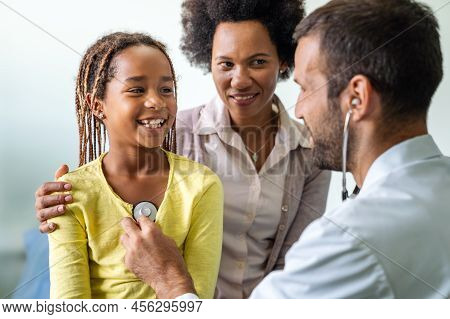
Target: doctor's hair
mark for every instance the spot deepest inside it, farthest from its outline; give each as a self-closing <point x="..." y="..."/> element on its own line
<point x="96" y="70"/>
<point x="395" y="44"/>
<point x="200" y="19"/>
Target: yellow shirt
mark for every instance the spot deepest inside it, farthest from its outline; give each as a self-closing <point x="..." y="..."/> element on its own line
<point x="86" y="256"/>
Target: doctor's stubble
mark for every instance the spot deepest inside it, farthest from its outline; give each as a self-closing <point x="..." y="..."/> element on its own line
<point x="328" y="139"/>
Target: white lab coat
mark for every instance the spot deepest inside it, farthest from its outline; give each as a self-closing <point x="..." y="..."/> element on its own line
<point x="391" y="241"/>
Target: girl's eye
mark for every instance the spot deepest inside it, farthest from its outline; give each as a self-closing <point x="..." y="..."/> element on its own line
<point x="136" y="90"/>
<point x="167" y="90"/>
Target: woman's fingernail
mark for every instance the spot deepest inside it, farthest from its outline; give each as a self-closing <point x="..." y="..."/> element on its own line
<point x="60" y="209"/>
<point x="67" y="186"/>
<point x="68" y="198"/>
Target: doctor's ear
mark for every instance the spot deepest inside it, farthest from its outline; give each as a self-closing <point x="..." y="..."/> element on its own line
<point x="358" y="97"/>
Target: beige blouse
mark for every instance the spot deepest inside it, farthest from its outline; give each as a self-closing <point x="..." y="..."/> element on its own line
<point x="265" y="211"/>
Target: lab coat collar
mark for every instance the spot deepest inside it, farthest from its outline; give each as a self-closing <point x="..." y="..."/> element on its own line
<point x="408" y="151"/>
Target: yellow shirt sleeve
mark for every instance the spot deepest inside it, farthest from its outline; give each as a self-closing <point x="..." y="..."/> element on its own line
<point x="203" y="246"/>
<point x="68" y="259"/>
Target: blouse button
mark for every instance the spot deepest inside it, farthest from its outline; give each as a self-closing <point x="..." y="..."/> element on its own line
<point x="284" y="208"/>
<point x="282" y="227"/>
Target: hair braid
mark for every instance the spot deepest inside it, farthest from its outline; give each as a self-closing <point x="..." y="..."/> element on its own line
<point x="170" y="142"/>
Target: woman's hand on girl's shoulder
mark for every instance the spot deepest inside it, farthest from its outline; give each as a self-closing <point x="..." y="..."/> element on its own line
<point x="48" y="205"/>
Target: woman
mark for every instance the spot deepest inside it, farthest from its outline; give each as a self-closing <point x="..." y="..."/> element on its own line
<point x="272" y="190"/>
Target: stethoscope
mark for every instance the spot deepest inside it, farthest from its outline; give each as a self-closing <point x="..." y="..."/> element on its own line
<point x="355" y="102"/>
<point x="147" y="209"/>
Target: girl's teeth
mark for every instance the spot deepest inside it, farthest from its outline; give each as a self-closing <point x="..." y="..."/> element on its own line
<point x="148" y="125"/>
<point x="152" y="123"/>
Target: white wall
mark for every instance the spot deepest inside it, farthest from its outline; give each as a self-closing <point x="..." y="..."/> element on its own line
<point x="37" y="74"/>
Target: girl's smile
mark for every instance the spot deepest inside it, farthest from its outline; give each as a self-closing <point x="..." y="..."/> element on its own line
<point x="139" y="103"/>
<point x="154" y="125"/>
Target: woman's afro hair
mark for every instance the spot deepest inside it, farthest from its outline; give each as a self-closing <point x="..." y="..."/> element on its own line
<point x="201" y="17"/>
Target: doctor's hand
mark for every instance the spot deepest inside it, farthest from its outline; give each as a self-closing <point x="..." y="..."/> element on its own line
<point x="47" y="205"/>
<point x="155" y="258"/>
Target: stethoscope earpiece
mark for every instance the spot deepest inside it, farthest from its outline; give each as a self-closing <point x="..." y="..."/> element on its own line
<point x="147" y="209"/>
<point x="355" y="102"/>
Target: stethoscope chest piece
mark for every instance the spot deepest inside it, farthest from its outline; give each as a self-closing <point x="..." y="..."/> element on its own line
<point x="147" y="209"/>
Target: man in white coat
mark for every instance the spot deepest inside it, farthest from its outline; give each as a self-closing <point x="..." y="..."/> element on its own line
<point x="367" y="70"/>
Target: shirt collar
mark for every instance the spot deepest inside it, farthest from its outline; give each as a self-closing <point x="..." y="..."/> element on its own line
<point x="409" y="151"/>
<point x="214" y="119"/>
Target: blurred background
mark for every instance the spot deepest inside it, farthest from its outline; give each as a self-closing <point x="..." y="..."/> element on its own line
<point x="41" y="43"/>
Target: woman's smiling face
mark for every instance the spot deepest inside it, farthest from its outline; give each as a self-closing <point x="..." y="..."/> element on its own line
<point x="139" y="103"/>
<point x="245" y="66"/>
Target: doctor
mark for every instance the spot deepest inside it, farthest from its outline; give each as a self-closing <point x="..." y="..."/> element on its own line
<point x="367" y="71"/>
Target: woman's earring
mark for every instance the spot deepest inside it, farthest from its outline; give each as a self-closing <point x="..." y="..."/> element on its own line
<point x="101" y="116"/>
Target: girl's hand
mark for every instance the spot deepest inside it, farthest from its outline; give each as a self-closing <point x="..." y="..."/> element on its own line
<point x="47" y="205"/>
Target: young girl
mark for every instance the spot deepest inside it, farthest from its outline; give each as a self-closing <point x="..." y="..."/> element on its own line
<point x="126" y="89"/>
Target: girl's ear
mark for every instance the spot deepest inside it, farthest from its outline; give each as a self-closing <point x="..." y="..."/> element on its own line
<point x="95" y="106"/>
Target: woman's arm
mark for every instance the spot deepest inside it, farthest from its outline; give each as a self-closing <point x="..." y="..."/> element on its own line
<point x="203" y="245"/>
<point x="69" y="260"/>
